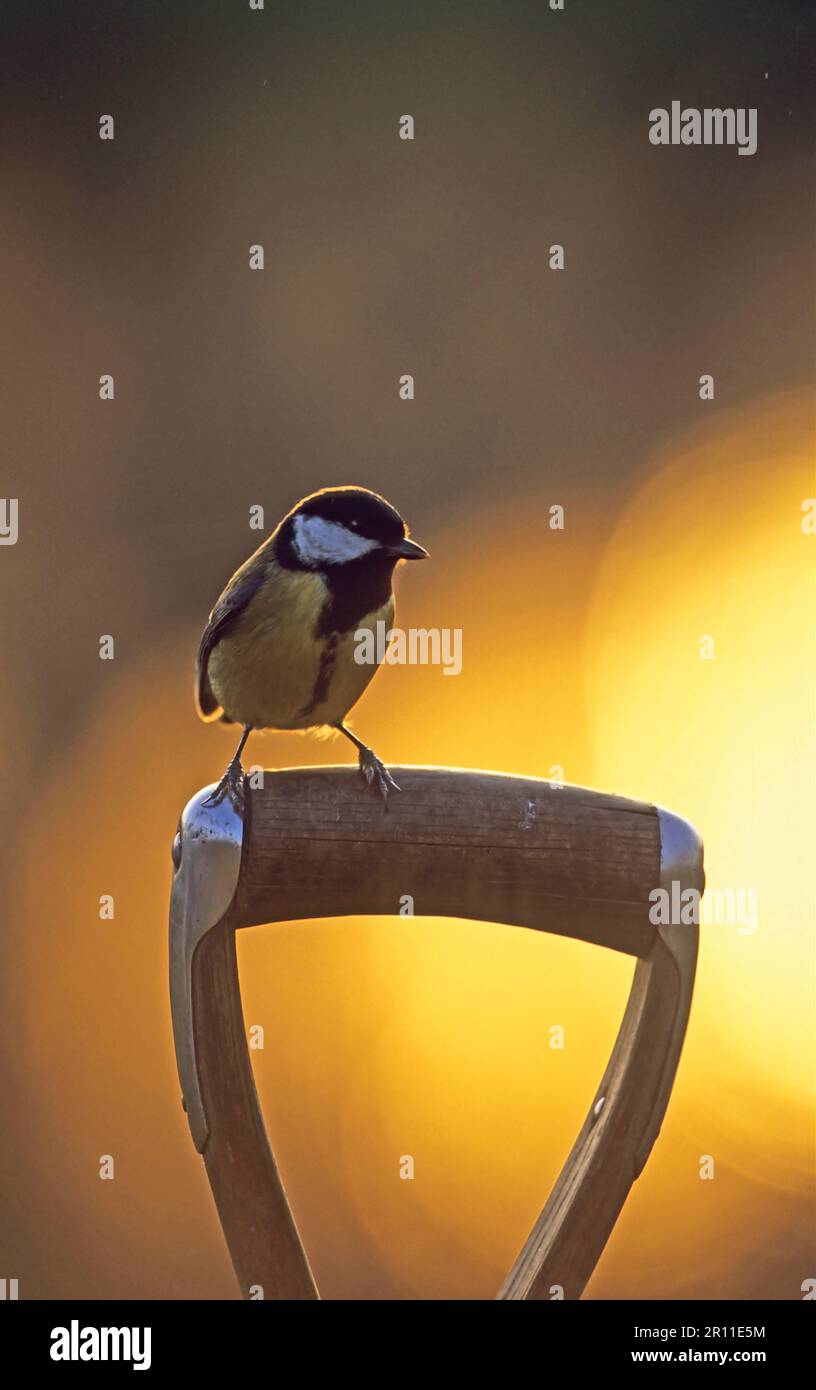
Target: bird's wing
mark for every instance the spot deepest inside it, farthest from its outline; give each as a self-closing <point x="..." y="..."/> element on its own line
<point x="239" y="592"/>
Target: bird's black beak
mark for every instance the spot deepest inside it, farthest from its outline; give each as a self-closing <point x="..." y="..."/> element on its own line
<point x="407" y="550"/>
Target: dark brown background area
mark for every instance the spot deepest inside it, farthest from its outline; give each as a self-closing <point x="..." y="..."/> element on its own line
<point x="382" y="256"/>
<point x="235" y="388"/>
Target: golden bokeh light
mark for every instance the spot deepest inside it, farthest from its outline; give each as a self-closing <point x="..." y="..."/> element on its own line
<point x="713" y="548"/>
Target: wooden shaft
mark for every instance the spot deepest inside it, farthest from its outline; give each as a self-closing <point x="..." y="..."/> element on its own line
<point x="258" y="1225"/>
<point x="476" y="845"/>
<point x="614" y="1142"/>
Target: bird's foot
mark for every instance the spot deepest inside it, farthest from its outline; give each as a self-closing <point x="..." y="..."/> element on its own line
<point x="232" y="786"/>
<point x="375" y="772"/>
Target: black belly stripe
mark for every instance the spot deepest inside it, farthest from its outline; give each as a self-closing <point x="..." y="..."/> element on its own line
<point x="320" y="689"/>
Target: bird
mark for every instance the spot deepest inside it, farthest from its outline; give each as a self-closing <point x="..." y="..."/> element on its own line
<point x="278" y="650"/>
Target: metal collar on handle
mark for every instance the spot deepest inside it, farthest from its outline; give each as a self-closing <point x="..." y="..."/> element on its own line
<point x="206" y="866"/>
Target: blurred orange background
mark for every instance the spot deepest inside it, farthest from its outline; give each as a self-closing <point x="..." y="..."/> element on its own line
<point x="581" y="648"/>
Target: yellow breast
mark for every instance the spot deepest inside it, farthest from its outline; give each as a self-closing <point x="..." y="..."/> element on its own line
<point x="269" y="668"/>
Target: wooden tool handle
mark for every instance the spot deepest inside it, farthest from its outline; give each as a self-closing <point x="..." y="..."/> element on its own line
<point x="315" y="843"/>
<point x="476" y="845"/>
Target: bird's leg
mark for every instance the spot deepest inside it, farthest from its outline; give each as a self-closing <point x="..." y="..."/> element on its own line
<point x="232" y="783"/>
<point x="370" y="765"/>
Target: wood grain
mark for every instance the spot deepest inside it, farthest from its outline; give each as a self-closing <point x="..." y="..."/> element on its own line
<point x="462" y="844"/>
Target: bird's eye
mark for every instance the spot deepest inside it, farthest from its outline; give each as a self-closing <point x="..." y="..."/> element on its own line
<point x="355" y="525"/>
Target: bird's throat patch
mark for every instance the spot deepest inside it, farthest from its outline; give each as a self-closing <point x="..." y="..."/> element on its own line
<point x="355" y="590"/>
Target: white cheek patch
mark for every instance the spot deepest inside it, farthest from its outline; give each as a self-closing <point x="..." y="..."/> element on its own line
<point x="320" y="542"/>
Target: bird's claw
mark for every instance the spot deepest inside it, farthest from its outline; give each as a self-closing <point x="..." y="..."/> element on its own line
<point x="373" y="770"/>
<point x="232" y="786"/>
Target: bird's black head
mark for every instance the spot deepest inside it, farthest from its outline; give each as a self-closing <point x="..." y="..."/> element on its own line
<point x="341" y="527"/>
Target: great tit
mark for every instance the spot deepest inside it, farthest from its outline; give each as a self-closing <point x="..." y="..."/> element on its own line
<point x="278" y="651"/>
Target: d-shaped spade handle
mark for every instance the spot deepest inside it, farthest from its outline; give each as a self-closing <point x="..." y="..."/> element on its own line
<point x="476" y="845"/>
